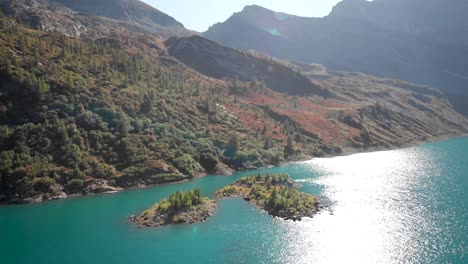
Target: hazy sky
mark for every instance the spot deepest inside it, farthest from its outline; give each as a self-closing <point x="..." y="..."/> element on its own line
<point x="200" y="14"/>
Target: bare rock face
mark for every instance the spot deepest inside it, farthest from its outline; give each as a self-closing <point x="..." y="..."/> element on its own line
<point x="77" y="18"/>
<point x="223" y="169"/>
<point x="101" y="186"/>
<point x="55" y="195"/>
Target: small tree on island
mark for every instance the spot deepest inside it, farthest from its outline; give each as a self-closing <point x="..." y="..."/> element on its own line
<point x="197" y="193"/>
<point x="179" y="200"/>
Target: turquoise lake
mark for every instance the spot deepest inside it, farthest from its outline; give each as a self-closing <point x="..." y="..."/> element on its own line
<point x="401" y="206"/>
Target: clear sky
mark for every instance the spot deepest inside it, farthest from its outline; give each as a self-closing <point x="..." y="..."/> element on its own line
<point x="200" y="14"/>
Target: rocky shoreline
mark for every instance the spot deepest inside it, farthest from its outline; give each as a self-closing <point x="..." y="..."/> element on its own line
<point x="275" y="193"/>
<point x="102" y="186"/>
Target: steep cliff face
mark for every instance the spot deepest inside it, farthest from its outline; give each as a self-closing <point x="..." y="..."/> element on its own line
<point x="414" y="40"/>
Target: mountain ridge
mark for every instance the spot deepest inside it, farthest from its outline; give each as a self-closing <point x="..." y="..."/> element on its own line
<point x="409" y="40"/>
<point x="75" y="18"/>
<point x="121" y="10"/>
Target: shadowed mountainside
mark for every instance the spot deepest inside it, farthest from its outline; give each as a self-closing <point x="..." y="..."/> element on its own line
<point x="414" y="40"/>
<point x="217" y="61"/>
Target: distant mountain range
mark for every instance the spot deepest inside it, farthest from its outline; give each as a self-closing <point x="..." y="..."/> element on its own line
<point x="422" y="41"/>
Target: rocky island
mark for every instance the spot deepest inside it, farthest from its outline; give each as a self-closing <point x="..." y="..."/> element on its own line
<point x="275" y="193"/>
<point x="181" y="207"/>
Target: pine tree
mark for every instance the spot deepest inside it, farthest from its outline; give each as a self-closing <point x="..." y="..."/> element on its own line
<point x="36" y="56"/>
<point x="69" y="81"/>
<point x="62" y="133"/>
<point x="148" y="102"/>
<point x="34" y="82"/>
<point x="18" y="67"/>
<point x="2" y="53"/>
<point x="264" y="130"/>
<point x="289" y="149"/>
<point x="28" y="81"/>
<point x="43" y="88"/>
<point x="232" y="146"/>
<point x="268" y="143"/>
<point x="11" y="41"/>
<point x="197" y="193"/>
<point x="106" y="70"/>
<point x="8" y="66"/>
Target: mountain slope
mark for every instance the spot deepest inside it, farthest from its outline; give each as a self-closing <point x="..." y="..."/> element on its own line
<point x="77" y="17"/>
<point x="415" y="40"/>
<point x="91" y="104"/>
<point x="127" y="10"/>
<point x="353" y="110"/>
<point x="217" y="61"/>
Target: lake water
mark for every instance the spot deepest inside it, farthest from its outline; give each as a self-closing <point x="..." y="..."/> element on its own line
<point x="402" y="206"/>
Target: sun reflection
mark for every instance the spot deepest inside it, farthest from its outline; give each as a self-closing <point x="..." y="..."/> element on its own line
<point x="375" y="216"/>
<point x="273" y="31"/>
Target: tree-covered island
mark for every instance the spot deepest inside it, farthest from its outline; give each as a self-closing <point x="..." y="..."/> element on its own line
<point x="181" y="207"/>
<point x="275" y="193"/>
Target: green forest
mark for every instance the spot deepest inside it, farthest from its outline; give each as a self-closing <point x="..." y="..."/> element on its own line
<point x="77" y="110"/>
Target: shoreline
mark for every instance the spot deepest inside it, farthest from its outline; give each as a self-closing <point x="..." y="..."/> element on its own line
<point x="346" y="152"/>
<point x="352" y="151"/>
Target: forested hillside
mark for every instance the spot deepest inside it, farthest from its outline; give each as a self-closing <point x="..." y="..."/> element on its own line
<point x="87" y="115"/>
<point x="91" y="104"/>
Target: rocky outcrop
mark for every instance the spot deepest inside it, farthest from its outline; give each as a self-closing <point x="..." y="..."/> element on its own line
<point x="223" y="169"/>
<point x="42" y="197"/>
<point x="85" y="18"/>
<point x="97" y="186"/>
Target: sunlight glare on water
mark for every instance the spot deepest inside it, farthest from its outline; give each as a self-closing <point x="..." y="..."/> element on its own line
<point x="373" y="218"/>
<point x="402" y="206"/>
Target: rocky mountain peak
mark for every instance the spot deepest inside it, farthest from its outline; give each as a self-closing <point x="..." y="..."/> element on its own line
<point x="350" y="8"/>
